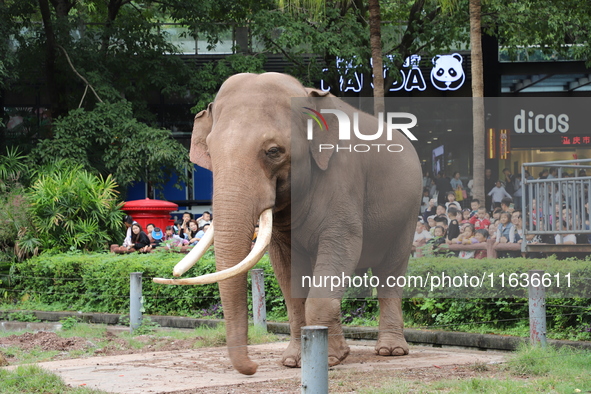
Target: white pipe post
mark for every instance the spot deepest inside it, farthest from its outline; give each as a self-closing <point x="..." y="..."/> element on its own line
<point x="135" y="300"/>
<point x="259" y="307"/>
<point x="314" y="360"/>
<point x="537" y="308"/>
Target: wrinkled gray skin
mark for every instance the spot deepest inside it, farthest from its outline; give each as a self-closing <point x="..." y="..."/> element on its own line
<point x="351" y="208"/>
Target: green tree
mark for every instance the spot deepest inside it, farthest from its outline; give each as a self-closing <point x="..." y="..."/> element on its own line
<point x="342" y="30"/>
<point x="109" y="140"/>
<point x="556" y="28"/>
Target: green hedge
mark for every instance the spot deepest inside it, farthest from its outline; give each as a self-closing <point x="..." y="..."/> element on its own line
<point x="100" y="283"/>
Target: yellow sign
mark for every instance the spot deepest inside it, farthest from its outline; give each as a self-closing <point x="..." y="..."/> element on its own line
<point x="491" y="144"/>
<point x="504" y="146"/>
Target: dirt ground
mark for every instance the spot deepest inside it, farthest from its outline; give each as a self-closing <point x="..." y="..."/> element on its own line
<point x="167" y="366"/>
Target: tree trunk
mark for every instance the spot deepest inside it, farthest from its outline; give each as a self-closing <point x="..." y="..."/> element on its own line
<point x="375" y="39"/>
<point x="112" y="12"/>
<point x="57" y="92"/>
<point x="50" y="49"/>
<point x="477" y="100"/>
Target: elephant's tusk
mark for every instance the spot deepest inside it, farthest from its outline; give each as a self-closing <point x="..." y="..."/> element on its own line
<point x="195" y="254"/>
<point x="263" y="240"/>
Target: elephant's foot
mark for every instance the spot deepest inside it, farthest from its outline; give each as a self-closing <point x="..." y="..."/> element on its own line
<point x="338" y="350"/>
<point x="292" y="356"/>
<point x="393" y="346"/>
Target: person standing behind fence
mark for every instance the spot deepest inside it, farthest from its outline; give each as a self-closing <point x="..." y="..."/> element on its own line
<point x="517" y="194"/>
<point x="489" y="183"/>
<point x="509" y="179"/>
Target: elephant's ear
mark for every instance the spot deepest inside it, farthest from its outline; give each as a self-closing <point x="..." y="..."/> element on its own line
<point x="201" y="129"/>
<point x="328" y="136"/>
<point x="317" y="92"/>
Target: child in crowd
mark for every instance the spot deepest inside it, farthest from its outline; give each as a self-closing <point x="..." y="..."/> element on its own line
<point x="492" y="231"/>
<point x="421" y="232"/>
<point x="465" y="216"/>
<point x="204" y="229"/>
<point x="431" y="209"/>
<point x="438" y="238"/>
<point x="156" y="237"/>
<point x="453" y="229"/>
<point x="451" y="202"/>
<point x="474" y="205"/>
<point x="431" y="223"/>
<point x="441" y="221"/>
<point x="496" y="215"/>
<point x="497" y="193"/>
<point x="175" y="239"/>
<point x="440" y="211"/>
<point x="479" y="220"/>
<point x="466" y="238"/>
<point x="506" y="230"/>
<point x="421" y="235"/>
<point x="480" y="236"/>
<point x="425" y="200"/>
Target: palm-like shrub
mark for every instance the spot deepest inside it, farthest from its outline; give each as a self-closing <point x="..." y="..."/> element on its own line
<point x="12" y="168"/>
<point x="73" y="209"/>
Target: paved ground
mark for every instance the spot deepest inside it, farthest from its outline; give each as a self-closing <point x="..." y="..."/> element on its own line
<point x="208" y="369"/>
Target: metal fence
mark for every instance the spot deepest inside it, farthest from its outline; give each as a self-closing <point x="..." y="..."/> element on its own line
<point x="558" y="206"/>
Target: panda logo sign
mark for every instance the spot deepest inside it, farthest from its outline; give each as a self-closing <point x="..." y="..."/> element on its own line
<point x="447" y="72"/>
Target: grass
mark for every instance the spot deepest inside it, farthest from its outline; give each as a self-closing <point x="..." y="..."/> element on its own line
<point x="519" y="329"/>
<point x="529" y="370"/>
<point x="96" y="334"/>
<point x="33" y="379"/>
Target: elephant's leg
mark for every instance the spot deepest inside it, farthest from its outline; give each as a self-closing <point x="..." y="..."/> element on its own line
<point x="281" y="261"/>
<point x="391" y="340"/>
<point x="336" y="260"/>
<point x="327" y="312"/>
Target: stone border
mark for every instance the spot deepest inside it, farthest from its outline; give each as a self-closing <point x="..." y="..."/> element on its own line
<point x="413" y="336"/>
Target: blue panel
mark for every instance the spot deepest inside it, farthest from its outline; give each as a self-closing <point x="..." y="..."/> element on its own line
<point x="171" y="193"/>
<point x="136" y="191"/>
<point x="202" y="184"/>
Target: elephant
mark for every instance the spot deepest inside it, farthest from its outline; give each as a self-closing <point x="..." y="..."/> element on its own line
<point x="321" y="211"/>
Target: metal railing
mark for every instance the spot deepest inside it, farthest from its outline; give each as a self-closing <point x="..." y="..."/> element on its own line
<point x="559" y="205"/>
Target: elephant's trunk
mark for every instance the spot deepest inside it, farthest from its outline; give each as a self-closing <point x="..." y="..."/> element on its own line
<point x="235" y="217"/>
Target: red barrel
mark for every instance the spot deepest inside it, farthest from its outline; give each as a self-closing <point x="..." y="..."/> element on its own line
<point x="148" y="211"/>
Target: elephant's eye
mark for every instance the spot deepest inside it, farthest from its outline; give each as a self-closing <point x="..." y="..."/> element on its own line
<point x="274" y="151"/>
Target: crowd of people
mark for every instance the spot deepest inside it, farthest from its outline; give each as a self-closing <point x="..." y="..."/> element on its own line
<point x="185" y="232"/>
<point x="449" y="215"/>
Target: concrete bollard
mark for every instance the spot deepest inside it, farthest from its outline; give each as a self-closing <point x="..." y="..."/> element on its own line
<point x="537" y="309"/>
<point x="314" y="360"/>
<point x="259" y="307"/>
<point x="135" y="300"/>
